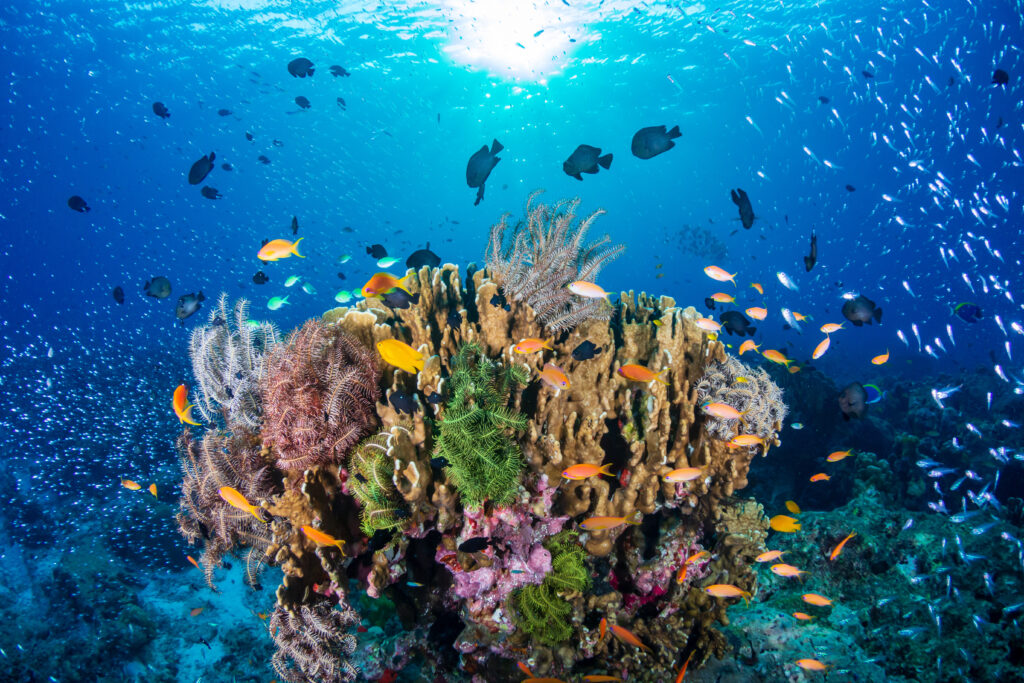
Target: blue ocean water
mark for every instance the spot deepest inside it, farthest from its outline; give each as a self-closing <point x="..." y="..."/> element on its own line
<point x="878" y="127"/>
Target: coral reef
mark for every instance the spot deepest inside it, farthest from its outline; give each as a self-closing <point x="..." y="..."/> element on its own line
<point x="541" y="611"/>
<point x="750" y="391"/>
<point x="312" y="643"/>
<point x="371" y="482"/>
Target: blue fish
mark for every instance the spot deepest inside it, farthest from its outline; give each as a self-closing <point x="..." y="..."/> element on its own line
<point x="969" y="313"/>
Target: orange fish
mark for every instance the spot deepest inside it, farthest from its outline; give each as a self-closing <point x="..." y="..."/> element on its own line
<point x="627" y="637"/>
<point x="748" y="345"/>
<point x="721" y="410"/>
<point x="279" y="249"/>
<point x="585" y="471"/>
<point x="776" y="357"/>
<point x="882" y="359"/>
<point x="639" y="373"/>
<point x="716" y="273"/>
<point x="531" y="345"/>
<point x="682" y="672"/>
<point x="800" y="316"/>
<point x="196" y="611"/>
<point x="769" y="556"/>
<point x="682" y="474"/>
<point x="587" y="290"/>
<point x="262" y="616"/>
<point x="758" y="287"/>
<point x="193" y="561"/>
<point x="602" y="628"/>
<point x="152" y="489"/>
<point x="793" y="507"/>
<point x="697" y="557"/>
<point x="744" y="440"/>
<point x="723" y="298"/>
<point x="784" y="523"/>
<point x="525" y="669"/>
<point x="321" y="538"/>
<point x="820" y="476"/>
<point x="182" y="408"/>
<point x="786" y="570"/>
<point x="382" y="283"/>
<point x="838" y="455"/>
<point x="757" y="313"/>
<point x="839" y="548"/>
<point x="708" y="325"/>
<point x="601" y="678"/>
<point x="811" y="664"/>
<point x="130" y="485"/>
<point x="235" y="499"/>
<point x="821" y="348"/>
<point x="604" y="523"/>
<point x="829" y="328"/>
<point x="802" y="616"/>
<point x="815" y="599"/>
<point x="793" y="369"/>
<point x="554" y="377"/>
<point x="543" y="680"/>
<point x="727" y="590"/>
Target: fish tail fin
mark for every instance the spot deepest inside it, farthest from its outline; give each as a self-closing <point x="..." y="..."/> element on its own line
<point x="605" y="161"/>
<point x="547" y="344"/>
<point x="746" y="596"/>
<point x="751" y="331"/>
<point x="878" y="315"/>
<point x="496" y="146"/>
<point x="635" y="518"/>
<point x="403" y="285"/>
<point x="605" y="471"/>
<point x="295" y="248"/>
<point x="659" y="378"/>
<point x="674" y="133"/>
<point x="340" y="543"/>
<point x="186" y="415"/>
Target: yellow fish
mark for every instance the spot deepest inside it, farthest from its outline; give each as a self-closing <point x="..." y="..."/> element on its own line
<point x="400" y="355"/>
<point x="777" y="357"/>
<point x="152" y="489"/>
<point x="793" y="507"/>
<point x="879" y="360"/>
<point x="278" y="249"/>
<point x="182" y="408"/>
<point x="748" y="345"/>
<point x="784" y="523"/>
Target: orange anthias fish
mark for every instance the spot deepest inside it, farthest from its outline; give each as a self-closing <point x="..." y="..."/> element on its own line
<point x="603" y="523"/>
<point x="193" y="561"/>
<point x="769" y="556"/>
<point x="587" y="290"/>
<point x="723" y="298"/>
<point x="811" y="664"/>
<point x="130" y="485"/>
<point x="696" y="557"/>
<point x="627" y="637"/>
<point x="639" y="373"/>
<point x="880" y="360"/>
<point x="275" y="250"/>
<point x="793" y="369"/>
<point x="829" y="328"/>
<point x="716" y="273"/>
<point x="321" y="538"/>
<point x="776" y="357"/>
<point x="793" y="507"/>
<point x="802" y="616"/>
<point x="182" y="408"/>
<point x="727" y="590"/>
<point x="839" y="548"/>
<point x="601" y="678"/>
<point x="836" y="456"/>
<point x="525" y="669"/>
<point x="531" y="345"/>
<point x="196" y="611"/>
<point x="815" y="599"/>
<point x="152" y="489"/>
<point x="543" y="680"/>
<point x="748" y="345"/>
<point x="820" y="476"/>
<point x="744" y="440"/>
<point x="554" y="377"/>
<point x="400" y="355"/>
<point x="382" y="283"/>
<point x="585" y="471"/>
<point x="757" y="312"/>
<point x="708" y="325"/>
<point x="235" y="499"/>
<point x="682" y="672"/>
<point x="721" y="410"/>
<point x="786" y="570"/>
<point x="602" y="628"/>
<point x="821" y="348"/>
<point x="800" y="317"/>
<point x="682" y="474"/>
<point x="784" y="523"/>
<point x="758" y="287"/>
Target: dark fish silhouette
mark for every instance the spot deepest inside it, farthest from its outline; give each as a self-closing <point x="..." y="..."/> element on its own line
<point x="586" y="350"/>
<point x="868" y="74"/>
<point x="380" y="538"/>
<point x="300" y="68"/>
<point x="861" y="310"/>
<point x="223" y="112"/>
<point x="740" y="199"/>
<point x="423" y="257"/>
<point x="341" y="103"/>
<point x="454" y="319"/>
<point x="338" y="70"/>
<point x="76" y="203"/>
<point x="853" y="401"/>
<point x="118" y="294"/>
<point x="158" y="287"/>
<point x="476" y="544"/>
<point x="480" y="166"/>
<point x="302" y="102"/>
<point x="260" y="278"/>
<point x="585" y="159"/>
<point x="851" y="188"/>
<point x="812" y="258"/>
<point x="969" y="313"/>
<point x="200" y="169"/>
<point x="377" y="251"/>
<point x="295" y="225"/>
<point x="263" y="159"/>
<point x="210" y="192"/>
<point x="227" y="167"/>
<point x="651" y="141"/>
<point x="709" y="302"/>
<point x="160" y="110"/>
<point x="400" y="299"/>
<point x="736" y="323"/>
<point x="435" y="398"/>
<point x="823" y="99"/>
<point x="188" y="304"/>
<point x="402" y="402"/>
<point x="1000" y="77"/>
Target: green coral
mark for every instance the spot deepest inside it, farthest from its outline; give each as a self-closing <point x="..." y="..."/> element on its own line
<point x="475" y="435"/>
<point x="370" y="479"/>
<point x="540" y="610"/>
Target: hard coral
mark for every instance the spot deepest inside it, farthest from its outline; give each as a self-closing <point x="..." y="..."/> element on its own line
<point x="319" y="395"/>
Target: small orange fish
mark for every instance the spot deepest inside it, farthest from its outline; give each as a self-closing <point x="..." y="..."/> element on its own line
<point x="769" y="556"/>
<point x="682" y="672"/>
<point x="836" y="456"/>
<point x="554" y="377"/>
<point x="152" y="489"/>
<point x="182" y="408"/>
<point x="130" y="485"/>
<point x="275" y="250"/>
<point x="793" y="507"/>
<point x="262" y="616"/>
<point x="543" y="680"/>
<point x="723" y="298"/>
<point x="776" y="357"/>
<point x="815" y="599"/>
<point x="193" y="561"/>
<point x="811" y="664"/>
<point x="585" y="471"/>
<point x="525" y="669"/>
<point x="708" y="325"/>
<point x="757" y="312"/>
<point x="821" y="348"/>
<point x="745" y="440"/>
<point x="587" y="290"/>
<point x="382" y="283"/>
<point x="802" y="616"/>
<point x="601" y="678"/>
<point x="784" y="523"/>
<point x="602" y="628"/>
<point x="716" y="273"/>
<point x="235" y="499"/>
<point x="627" y="637"/>
<point x="196" y="611"/>
<point x="321" y="538"/>
<point x="697" y="557"/>
<point x="639" y="373"/>
<point x="722" y="410"/>
<point x="786" y="570"/>
<point x="532" y="345"/>
<point x="829" y="328"/>
<point x="727" y="590"/>
<point x="748" y="345"/>
<point x="839" y="548"/>
<point x="605" y="523"/>
<point x="758" y="287"/>
<point x="800" y="316"/>
<point x="882" y="359"/>
<point x="820" y="476"/>
<point x="682" y="474"/>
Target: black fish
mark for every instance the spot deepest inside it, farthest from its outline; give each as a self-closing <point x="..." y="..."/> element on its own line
<point x="811" y="259"/>
<point x="736" y="323"/>
<point x="300" y="68"/>
<point x="423" y="257"/>
<point x="263" y="159"/>
<point x="400" y="299"/>
<point x="260" y="278"/>
<point x="158" y="288"/>
<point x="341" y="103"/>
<point x="118" y="294"/>
<point x="210" y="192"/>
<point x="434" y="398"/>
<point x="76" y="203"/>
<point x="202" y="641"/>
<point x="499" y="301"/>
<point x="850" y="188"/>
<point x="200" y="169"/>
<point x="480" y="166"/>
<point x="341" y="276"/>
<point x="585" y="159"/>
<point x="585" y="351"/>
<point x="709" y="302"/>
<point x="861" y="310"/>
<point x="823" y="99"/>
<point x="475" y="544"/>
<point x="853" y="401"/>
<point x="188" y="304"/>
<point x="1000" y="77"/>
<point x="160" y="110"/>
<point x="454" y="319"/>
<point x="227" y="167"/>
<point x="302" y="102"/>
<point x="338" y="70"/>
<point x="402" y="402"/>
<point x="248" y="136"/>
<point x="740" y="199"/>
<point x="868" y="74"/>
<point x="380" y="538"/>
<point x="295" y="225"/>
<point x="651" y="141"/>
<point x="377" y="251"/>
<point x="223" y="112"/>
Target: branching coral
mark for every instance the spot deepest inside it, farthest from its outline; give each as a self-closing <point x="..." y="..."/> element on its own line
<point x="749" y="391"/>
<point x="538" y="258"/>
<point x="476" y="434"/>
<point x="320" y="393"/>
<point x="312" y="643"/>
<point x="542" y="610"/>
<point x="372" y="483"/>
<point x="228" y="355"/>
